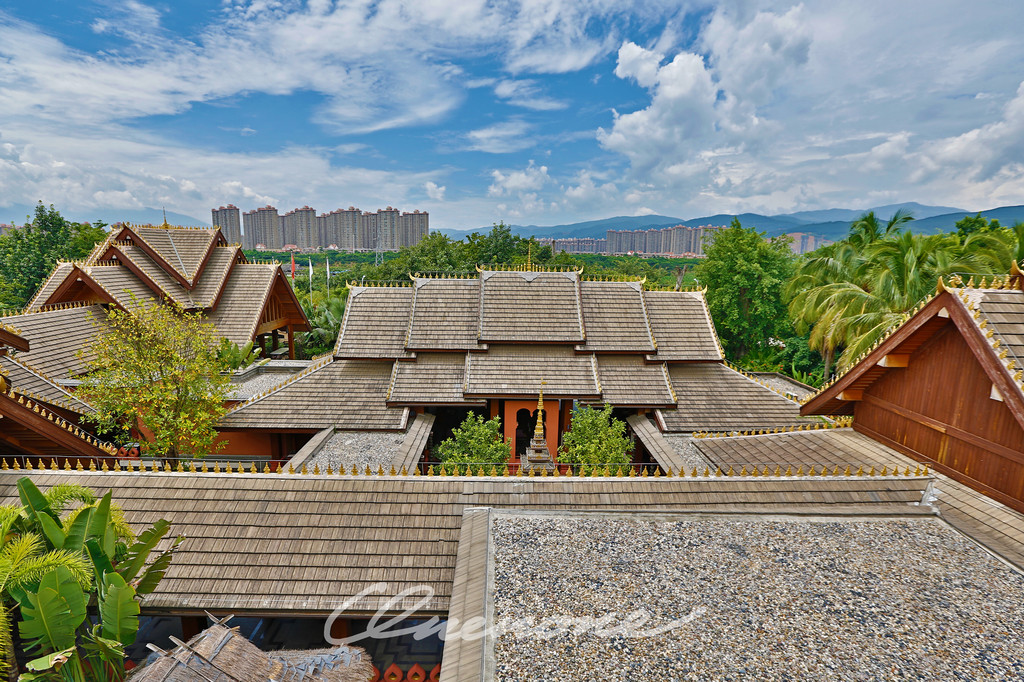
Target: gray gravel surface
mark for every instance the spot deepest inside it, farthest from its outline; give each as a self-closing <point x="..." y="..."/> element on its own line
<point x="774" y="599"/>
<point x="685" y="448"/>
<point x="359" y="448"/>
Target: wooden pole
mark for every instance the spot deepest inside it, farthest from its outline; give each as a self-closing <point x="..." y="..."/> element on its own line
<point x="291" y="343"/>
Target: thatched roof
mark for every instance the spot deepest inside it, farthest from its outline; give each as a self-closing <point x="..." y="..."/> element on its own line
<point x="221" y="654"/>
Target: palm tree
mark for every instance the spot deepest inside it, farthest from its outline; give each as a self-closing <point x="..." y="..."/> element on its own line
<point x="866" y="229"/>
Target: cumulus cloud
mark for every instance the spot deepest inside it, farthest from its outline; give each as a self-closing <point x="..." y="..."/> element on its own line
<point x="434" y="191"/>
<point x="518" y="182"/>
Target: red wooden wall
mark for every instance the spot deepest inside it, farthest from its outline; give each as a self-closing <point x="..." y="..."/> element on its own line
<point x="938" y="410"/>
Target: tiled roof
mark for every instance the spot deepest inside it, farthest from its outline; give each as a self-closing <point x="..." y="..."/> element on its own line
<point x="266" y="543"/>
<point x="55" y="279"/>
<point x="682" y="326"/>
<point x="715" y="398"/>
<point x="375" y="324"/>
<point x="182" y="249"/>
<point x="347" y="394"/>
<point x="121" y="283"/>
<point x="446" y="314"/>
<point x="432" y="378"/>
<point x="28" y="380"/>
<point x="628" y="380"/>
<point x="57" y="336"/>
<point x="615" y="317"/>
<point x="982" y="518"/>
<point x="156" y="274"/>
<point x="530" y="306"/>
<point x="1005" y="312"/>
<point x="518" y="371"/>
<point x="238" y="313"/>
<point x="211" y="279"/>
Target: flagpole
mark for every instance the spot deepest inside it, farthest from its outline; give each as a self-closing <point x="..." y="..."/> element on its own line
<point x="311" y="283"/>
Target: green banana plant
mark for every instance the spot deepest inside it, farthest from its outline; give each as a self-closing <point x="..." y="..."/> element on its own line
<point x="108" y="570"/>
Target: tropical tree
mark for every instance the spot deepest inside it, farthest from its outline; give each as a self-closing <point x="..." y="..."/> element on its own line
<point x="475" y="441"/>
<point x="850" y="297"/>
<point x="974" y="224"/>
<point x="65" y="573"/>
<point x="156" y="373"/>
<point x="745" y="274"/>
<point x="325" y="325"/>
<point x="28" y="254"/>
<point x="595" y="437"/>
<point x="867" y="229"/>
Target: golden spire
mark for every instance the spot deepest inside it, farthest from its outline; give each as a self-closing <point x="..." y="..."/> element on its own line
<point x="538" y="432"/>
<point x="165" y="219"/>
<point x="529" y="258"/>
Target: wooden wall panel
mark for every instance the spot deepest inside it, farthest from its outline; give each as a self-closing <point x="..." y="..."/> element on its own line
<point x="938" y="409"/>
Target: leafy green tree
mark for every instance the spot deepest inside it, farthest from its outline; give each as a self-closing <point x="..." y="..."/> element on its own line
<point x="745" y="275"/>
<point x="975" y="224"/>
<point x="595" y="437"/>
<point x="28" y="254"/>
<point x="475" y="441"/>
<point x="325" y="325"/>
<point x="78" y="586"/>
<point x="157" y="371"/>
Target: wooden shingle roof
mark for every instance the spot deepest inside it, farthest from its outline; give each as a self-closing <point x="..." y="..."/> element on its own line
<point x="445" y="315"/>
<point x="121" y="284"/>
<point x="540" y="307"/>
<point x="433" y="378"/>
<point x="615" y="317"/>
<point x="241" y="304"/>
<point x="56" y="278"/>
<point x="626" y="380"/>
<point x="184" y="249"/>
<point x="213" y="279"/>
<point x="271" y="544"/>
<point x="28" y="380"/>
<point x="713" y="397"/>
<point x="682" y="326"/>
<point x="347" y="394"/>
<point x="136" y="257"/>
<point x="57" y="335"/>
<point x="376" y="322"/>
<point x="518" y="371"/>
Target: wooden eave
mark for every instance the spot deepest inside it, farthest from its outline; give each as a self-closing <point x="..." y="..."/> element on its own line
<point x="34" y="421"/>
<point x="11" y="340"/>
<point x="77" y="277"/>
<point x="913" y="334"/>
<point x="283" y="291"/>
<point x="218" y="240"/>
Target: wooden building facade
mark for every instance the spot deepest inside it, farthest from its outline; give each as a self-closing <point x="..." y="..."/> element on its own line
<point x="945" y="388"/>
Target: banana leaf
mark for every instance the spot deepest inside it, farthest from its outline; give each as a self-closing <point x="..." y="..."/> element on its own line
<point x="119" y="610"/>
<point x="53" y="613"/>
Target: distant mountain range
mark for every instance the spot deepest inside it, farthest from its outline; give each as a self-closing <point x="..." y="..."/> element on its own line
<point x="16" y="213"/>
<point x="833" y="223"/>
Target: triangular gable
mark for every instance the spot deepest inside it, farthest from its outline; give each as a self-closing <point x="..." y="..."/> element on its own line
<point x="256" y="299"/>
<point x="955" y="307"/>
<point x="183" y="261"/>
<point x="110" y="284"/>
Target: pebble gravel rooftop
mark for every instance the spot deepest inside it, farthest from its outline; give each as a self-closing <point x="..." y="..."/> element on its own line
<point x="358" y="449"/>
<point x="772" y="598"/>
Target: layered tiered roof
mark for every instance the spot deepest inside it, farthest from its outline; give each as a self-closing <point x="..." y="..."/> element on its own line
<point x="193" y="268"/>
<point x="461" y="340"/>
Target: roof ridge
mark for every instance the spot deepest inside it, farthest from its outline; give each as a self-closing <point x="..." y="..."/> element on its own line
<point x="318" y="364"/>
<point x="263" y="302"/>
<point x="42" y="287"/>
<point x="32" y="369"/>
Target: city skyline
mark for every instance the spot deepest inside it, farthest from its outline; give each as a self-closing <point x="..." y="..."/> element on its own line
<point x="512" y="112"/>
<point x="302" y="228"/>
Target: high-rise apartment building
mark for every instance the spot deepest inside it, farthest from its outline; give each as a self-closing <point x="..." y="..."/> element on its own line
<point x="345" y="229"/>
<point x="227" y="218"/>
<point x="263" y="228"/>
<point x="677" y="241"/>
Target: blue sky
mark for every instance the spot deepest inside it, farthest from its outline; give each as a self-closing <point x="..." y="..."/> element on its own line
<point x="532" y="112"/>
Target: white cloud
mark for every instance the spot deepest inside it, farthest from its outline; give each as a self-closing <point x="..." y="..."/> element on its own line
<point x="526" y="94"/>
<point x="518" y="182"/>
<point x="434" y="191"/>
<point x="500" y="138"/>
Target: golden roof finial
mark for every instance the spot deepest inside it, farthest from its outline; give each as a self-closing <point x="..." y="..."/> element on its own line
<point x="165" y="224"/>
<point x="529" y="258"/>
<point x="538" y="432"/>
